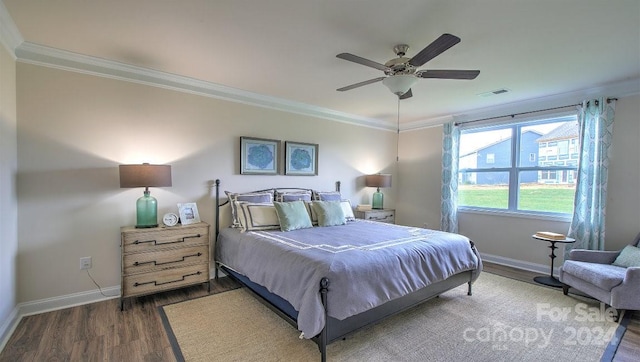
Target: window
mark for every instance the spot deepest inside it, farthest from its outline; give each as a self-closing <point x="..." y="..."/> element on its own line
<point x="491" y="158"/>
<point x="522" y="167"/>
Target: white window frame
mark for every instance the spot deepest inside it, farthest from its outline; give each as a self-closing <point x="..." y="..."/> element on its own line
<point x="514" y="170"/>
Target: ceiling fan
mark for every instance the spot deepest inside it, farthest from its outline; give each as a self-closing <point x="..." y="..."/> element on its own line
<point x="401" y="73"/>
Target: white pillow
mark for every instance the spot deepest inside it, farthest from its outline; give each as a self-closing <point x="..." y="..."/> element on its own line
<point x="348" y="210"/>
<point x="257" y="216"/>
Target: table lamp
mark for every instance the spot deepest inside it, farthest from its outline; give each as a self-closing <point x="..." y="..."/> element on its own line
<point x="377" y="180"/>
<point x="145" y="175"/>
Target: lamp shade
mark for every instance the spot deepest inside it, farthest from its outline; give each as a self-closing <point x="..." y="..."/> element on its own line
<point x="378" y="180"/>
<point x="145" y="175"/>
<point x="399" y="84"/>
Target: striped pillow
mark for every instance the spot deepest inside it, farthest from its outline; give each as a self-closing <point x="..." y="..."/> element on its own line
<point x="288" y="196"/>
<point x="265" y="197"/>
<point x="257" y="216"/>
<point x="326" y="196"/>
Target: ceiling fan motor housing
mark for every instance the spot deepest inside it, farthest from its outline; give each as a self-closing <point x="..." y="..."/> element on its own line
<point x="399" y="66"/>
<point x="401" y="73"/>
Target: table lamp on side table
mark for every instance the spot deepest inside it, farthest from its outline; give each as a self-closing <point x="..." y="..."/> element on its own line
<point x="145" y="175"/>
<point x="377" y="180"/>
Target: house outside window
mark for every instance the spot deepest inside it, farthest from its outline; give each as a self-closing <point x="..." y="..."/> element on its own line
<point x="526" y="167"/>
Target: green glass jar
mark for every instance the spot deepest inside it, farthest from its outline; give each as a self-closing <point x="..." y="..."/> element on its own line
<point x="377" y="199"/>
<point x="147" y="211"/>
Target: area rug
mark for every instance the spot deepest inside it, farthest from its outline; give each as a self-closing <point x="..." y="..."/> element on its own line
<point x="504" y="320"/>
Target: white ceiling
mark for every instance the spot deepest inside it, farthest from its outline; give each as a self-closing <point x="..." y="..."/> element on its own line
<point x="287" y="48"/>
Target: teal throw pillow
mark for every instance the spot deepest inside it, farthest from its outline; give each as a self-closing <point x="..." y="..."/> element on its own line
<point x="629" y="257"/>
<point x="329" y="213"/>
<point x="292" y="215"/>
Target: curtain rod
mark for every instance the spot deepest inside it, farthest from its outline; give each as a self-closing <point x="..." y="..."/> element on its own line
<point x="523" y="113"/>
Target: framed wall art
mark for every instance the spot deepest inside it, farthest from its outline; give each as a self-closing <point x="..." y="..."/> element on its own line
<point x="259" y="156"/>
<point x="188" y="213"/>
<point x="301" y="159"/>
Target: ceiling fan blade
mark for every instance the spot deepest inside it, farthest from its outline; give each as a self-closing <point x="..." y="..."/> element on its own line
<point x="407" y="94"/>
<point x="360" y="84"/>
<point x="361" y="60"/>
<point x="448" y="74"/>
<point x="437" y="47"/>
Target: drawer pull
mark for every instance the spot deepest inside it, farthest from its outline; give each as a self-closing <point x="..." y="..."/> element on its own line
<point x="154" y="262"/>
<point x="378" y="218"/>
<point x="155" y="283"/>
<point x="155" y="242"/>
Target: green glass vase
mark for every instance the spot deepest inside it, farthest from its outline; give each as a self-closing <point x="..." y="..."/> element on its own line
<point x="147" y="211"/>
<point x="376" y="200"/>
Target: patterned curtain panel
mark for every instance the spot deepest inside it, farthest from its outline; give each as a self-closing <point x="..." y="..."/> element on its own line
<point x="449" y="197"/>
<point x="596" y="128"/>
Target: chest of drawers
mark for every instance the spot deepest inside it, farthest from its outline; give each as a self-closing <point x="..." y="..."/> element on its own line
<point x="163" y="258"/>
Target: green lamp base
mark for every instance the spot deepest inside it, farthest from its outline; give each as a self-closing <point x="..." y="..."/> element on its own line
<point x="376" y="200"/>
<point x="146" y="211"/>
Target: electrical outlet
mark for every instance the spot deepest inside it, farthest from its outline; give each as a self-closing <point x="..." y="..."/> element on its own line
<point x="85" y="263"/>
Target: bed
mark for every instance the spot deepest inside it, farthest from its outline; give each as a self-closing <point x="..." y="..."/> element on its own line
<point x="329" y="281"/>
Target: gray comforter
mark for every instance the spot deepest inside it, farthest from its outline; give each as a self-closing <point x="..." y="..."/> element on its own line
<point x="367" y="263"/>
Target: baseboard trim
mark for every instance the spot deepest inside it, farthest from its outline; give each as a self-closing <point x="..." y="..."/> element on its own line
<point x="69" y="300"/>
<point x="51" y="304"/>
<point x="518" y="264"/>
<point x="8" y="326"/>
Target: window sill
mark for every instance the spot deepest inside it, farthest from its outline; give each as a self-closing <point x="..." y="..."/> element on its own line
<point x="515" y="214"/>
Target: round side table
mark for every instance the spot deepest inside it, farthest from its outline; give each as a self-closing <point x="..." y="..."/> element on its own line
<point x="551" y="280"/>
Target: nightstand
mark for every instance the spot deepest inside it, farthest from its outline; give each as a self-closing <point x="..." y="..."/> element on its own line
<point x="163" y="258"/>
<point x="381" y="215"/>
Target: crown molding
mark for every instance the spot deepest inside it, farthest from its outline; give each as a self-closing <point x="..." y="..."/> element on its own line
<point x="31" y="53"/>
<point x="10" y="37"/>
<point x="36" y="54"/>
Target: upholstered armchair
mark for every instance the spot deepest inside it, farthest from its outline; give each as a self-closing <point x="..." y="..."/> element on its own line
<point x="594" y="273"/>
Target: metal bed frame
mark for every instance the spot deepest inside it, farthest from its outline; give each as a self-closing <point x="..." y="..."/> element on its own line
<point x="335" y="329"/>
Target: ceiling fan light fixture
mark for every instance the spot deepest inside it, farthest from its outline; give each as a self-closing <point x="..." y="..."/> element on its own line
<point x="399" y="84"/>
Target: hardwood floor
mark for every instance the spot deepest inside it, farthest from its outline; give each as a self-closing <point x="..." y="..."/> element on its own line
<point x="100" y="332"/>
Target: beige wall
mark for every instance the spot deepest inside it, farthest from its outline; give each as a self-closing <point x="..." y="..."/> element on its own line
<point x="509" y="236"/>
<point x="74" y="130"/>
<point x="8" y="201"/>
<point x="419" y="174"/>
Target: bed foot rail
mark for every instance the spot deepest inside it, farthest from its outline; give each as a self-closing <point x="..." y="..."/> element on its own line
<point x="324" y="288"/>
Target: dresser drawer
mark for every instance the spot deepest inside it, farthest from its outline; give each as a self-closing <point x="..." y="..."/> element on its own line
<point x="166" y="258"/>
<point x="377" y="215"/>
<point x="140" y="241"/>
<point x="148" y="283"/>
<point x="381" y="216"/>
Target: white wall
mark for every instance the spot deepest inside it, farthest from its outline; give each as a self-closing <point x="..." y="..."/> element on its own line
<point x="8" y="201"/>
<point x="509" y="236"/>
<point x="75" y="129"/>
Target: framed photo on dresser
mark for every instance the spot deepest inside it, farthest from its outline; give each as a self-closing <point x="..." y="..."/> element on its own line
<point x="188" y="213"/>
